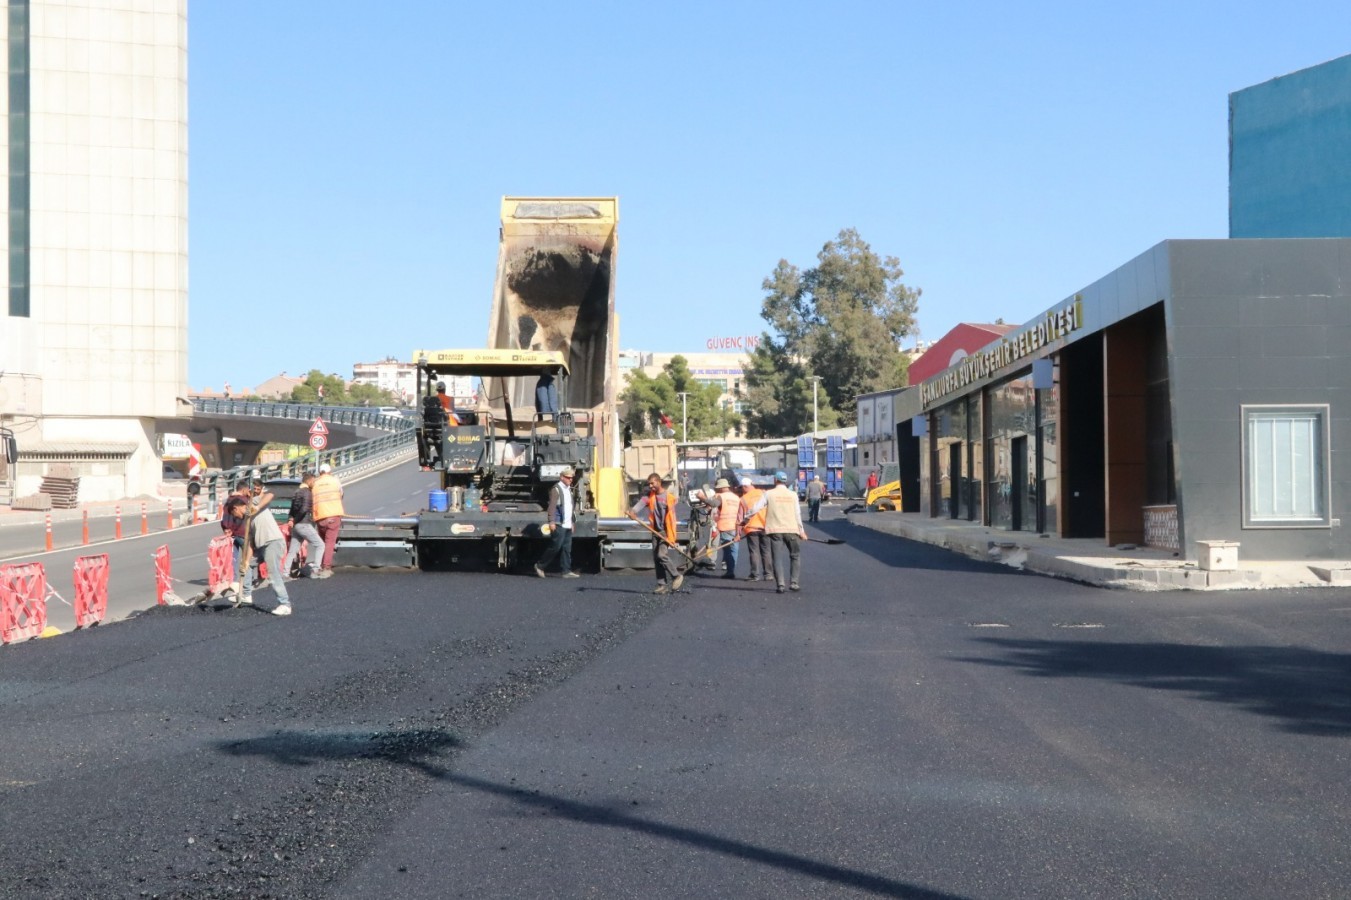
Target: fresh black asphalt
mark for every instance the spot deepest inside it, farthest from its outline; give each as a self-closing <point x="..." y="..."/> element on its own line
<point x="912" y="724"/>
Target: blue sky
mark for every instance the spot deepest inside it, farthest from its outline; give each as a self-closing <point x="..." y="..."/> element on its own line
<point x="348" y="158"/>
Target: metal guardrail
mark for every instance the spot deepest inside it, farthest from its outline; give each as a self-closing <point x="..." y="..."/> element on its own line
<point x="346" y="460"/>
<point x="336" y="415"/>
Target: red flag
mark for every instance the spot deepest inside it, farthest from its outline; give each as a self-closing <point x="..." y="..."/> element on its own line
<point x="665" y="419"/>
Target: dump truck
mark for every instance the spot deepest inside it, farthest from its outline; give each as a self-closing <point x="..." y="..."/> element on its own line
<point x="555" y="292"/>
<point x="547" y="399"/>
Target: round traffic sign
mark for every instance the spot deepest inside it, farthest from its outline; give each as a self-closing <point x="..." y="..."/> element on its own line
<point x="318" y="441"/>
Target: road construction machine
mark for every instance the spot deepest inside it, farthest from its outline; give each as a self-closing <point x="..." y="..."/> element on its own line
<point x="547" y="399"/>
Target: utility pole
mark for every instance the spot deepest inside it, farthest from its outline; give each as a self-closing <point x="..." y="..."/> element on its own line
<point x="684" y="418"/>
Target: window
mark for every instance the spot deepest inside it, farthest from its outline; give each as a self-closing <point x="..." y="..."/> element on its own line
<point x="1285" y="466"/>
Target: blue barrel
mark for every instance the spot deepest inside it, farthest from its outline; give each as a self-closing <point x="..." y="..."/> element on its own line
<point x="436" y="501"/>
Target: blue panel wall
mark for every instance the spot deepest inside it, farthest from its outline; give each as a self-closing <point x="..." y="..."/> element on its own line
<point x="1289" y="146"/>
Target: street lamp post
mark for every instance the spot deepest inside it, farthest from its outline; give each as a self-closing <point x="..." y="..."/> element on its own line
<point x="684" y="417"/>
<point x="816" y="381"/>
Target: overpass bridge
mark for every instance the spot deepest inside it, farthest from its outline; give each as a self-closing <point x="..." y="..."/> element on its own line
<point x="233" y="432"/>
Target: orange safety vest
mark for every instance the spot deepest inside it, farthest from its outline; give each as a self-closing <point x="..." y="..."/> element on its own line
<point x="668" y="527"/>
<point x="728" y="512"/>
<point x="748" y="500"/>
<point x="327" y="494"/>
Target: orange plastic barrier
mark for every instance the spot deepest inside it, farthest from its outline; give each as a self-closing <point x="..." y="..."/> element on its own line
<point x="220" y="558"/>
<point x="164" y="579"/>
<point x="23" y="602"/>
<point x="91" y="590"/>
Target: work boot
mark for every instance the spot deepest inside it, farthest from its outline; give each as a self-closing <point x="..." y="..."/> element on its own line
<point x="679" y="580"/>
<point x="567" y="574"/>
<point x="540" y="572"/>
<point x="661" y="589"/>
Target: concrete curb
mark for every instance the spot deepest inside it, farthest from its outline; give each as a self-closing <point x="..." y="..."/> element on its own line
<point x="1089" y="562"/>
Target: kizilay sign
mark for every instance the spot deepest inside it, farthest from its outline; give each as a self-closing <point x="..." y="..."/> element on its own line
<point x="1055" y="325"/>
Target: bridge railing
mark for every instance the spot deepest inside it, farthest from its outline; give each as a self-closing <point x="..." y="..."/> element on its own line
<point x="336" y="415"/>
<point x="347" y="460"/>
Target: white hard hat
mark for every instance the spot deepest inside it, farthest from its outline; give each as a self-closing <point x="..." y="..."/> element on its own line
<point x="325" y="469"/>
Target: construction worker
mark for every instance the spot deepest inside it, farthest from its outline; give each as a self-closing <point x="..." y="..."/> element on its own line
<point x="656" y="510"/>
<point x="328" y="513"/>
<point x="702" y="532"/>
<point x="783" y="524"/>
<point x="560" y="526"/>
<point x="303" y="532"/>
<point x="816" y="492"/>
<point x="725" y="519"/>
<point x="753" y="528"/>
<point x="447" y="404"/>
<point x="266" y="542"/>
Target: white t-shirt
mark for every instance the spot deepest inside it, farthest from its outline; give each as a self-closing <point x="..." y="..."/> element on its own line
<point x="565" y="506"/>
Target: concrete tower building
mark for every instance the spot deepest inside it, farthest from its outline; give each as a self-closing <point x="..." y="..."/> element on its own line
<point x="93" y="327"/>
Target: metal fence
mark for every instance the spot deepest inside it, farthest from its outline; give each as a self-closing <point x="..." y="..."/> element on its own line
<point x="337" y="415"/>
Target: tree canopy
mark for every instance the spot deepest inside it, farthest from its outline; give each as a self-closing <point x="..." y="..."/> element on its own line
<point x="645" y="398"/>
<point x="841" y="321"/>
<point x="338" y="392"/>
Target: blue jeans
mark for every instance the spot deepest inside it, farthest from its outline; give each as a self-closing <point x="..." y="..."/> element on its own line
<point x="270" y="553"/>
<point x="304" y="533"/>
<point x="730" y="551"/>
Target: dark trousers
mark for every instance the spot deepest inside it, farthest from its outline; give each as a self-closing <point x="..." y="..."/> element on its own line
<point x="560" y="545"/>
<point x="813" y="510"/>
<point x="757" y="548"/>
<point x="661" y="561"/>
<point x="787" y="550"/>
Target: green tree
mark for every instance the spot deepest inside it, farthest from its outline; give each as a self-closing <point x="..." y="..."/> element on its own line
<point x="644" y="399"/>
<point x="842" y="320"/>
<point x="368" y="395"/>
<point x="335" y="390"/>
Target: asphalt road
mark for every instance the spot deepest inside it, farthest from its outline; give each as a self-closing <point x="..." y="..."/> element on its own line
<point x="131" y="585"/>
<point x="913" y="724"/>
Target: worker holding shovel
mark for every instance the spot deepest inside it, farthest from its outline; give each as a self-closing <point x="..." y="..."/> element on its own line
<point x="783" y="524"/>
<point x="655" y="511"/>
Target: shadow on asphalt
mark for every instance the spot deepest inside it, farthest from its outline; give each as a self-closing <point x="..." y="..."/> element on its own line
<point x="427" y="750"/>
<point x="304" y="748"/>
<point x="1307" y="691"/>
<point x="903" y="553"/>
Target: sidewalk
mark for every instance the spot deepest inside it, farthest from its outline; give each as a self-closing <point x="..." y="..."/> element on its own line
<point x="105" y="509"/>
<point x="1092" y="562"/>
